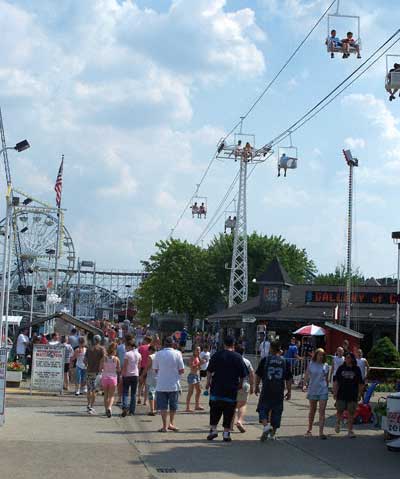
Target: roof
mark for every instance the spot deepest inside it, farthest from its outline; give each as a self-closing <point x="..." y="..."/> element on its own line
<point x="345" y="330"/>
<point x="275" y="274"/>
<point x="78" y="323"/>
<point x="251" y="306"/>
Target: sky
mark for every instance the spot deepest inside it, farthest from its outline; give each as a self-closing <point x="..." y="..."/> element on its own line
<point x="137" y="93"/>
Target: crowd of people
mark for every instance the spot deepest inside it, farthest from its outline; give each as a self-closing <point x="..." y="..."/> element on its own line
<point x="138" y="370"/>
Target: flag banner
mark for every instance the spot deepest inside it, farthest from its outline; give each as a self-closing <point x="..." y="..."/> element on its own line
<point x="58" y="185"/>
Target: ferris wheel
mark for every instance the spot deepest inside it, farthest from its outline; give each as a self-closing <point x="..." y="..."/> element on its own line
<point x="34" y="247"/>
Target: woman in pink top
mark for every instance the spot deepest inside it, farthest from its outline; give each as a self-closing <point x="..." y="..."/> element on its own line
<point x="144" y="352"/>
<point x="109" y="366"/>
<point x="130" y="376"/>
<point x="194" y="381"/>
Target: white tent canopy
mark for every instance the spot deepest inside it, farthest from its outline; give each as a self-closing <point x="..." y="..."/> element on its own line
<point x="12" y="320"/>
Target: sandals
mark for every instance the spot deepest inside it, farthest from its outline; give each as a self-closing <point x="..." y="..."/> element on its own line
<point x="240" y="427"/>
<point x="308" y="434"/>
<point x="162" y="430"/>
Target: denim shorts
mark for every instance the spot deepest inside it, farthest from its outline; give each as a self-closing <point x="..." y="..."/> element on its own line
<point x="271" y="410"/>
<point x="193" y="378"/>
<point x="151" y="392"/>
<point x="167" y="400"/>
<point x="317" y="397"/>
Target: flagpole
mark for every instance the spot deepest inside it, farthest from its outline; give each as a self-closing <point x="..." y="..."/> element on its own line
<point x="58" y="240"/>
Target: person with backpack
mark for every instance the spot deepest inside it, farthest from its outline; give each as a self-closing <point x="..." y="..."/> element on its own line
<point x="274" y="374"/>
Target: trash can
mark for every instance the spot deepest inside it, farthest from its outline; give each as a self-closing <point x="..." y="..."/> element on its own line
<point x="393" y="415"/>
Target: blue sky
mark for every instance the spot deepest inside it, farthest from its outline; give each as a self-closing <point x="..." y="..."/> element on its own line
<point x="136" y="94"/>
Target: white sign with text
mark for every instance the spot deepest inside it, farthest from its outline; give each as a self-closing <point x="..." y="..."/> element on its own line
<point x="48" y="368"/>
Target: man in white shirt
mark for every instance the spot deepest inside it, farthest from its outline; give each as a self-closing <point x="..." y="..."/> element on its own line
<point x="54" y="340"/>
<point x="168" y="366"/>
<point x="205" y="356"/>
<point x="264" y="348"/>
<point x="22" y="344"/>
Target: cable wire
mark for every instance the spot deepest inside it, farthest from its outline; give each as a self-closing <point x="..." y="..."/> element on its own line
<point x="314" y="111"/>
<point x="253" y="105"/>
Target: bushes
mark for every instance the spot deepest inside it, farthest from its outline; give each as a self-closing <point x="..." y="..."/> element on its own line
<point x="384" y="354"/>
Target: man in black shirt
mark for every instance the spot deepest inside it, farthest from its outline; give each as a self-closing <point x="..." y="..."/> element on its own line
<point x="225" y="373"/>
<point x="347" y="391"/>
<point x="274" y="373"/>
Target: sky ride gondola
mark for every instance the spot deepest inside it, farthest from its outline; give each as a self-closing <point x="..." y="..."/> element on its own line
<point x="287" y="158"/>
<point x="346" y="44"/>
<point x="392" y="79"/>
<point x="199" y="205"/>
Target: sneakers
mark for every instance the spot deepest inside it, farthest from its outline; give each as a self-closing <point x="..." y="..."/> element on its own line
<point x="213" y="434"/>
<point x="77" y="393"/>
<point x="226" y="436"/>
<point x="124" y="413"/>
<point x="266" y="433"/>
<point x="84" y="390"/>
<point x="91" y="411"/>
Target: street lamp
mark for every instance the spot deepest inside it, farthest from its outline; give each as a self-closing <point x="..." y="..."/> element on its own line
<point x="396" y="240"/>
<point x="127" y="297"/>
<point x="5" y="290"/>
<point x="20" y="146"/>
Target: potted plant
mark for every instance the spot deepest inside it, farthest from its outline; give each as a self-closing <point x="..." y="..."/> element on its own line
<point x="14" y="373"/>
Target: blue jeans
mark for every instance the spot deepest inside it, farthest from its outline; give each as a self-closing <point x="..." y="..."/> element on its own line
<point x="129" y="382"/>
<point x="80" y="376"/>
<point x="275" y="408"/>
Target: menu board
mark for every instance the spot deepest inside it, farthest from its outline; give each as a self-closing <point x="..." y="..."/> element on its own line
<point x="48" y="368"/>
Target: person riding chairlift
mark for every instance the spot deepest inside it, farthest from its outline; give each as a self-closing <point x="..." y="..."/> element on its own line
<point x="195" y="209"/>
<point x="202" y="210"/>
<point x="348" y="43"/>
<point x="392" y="91"/>
<point x="247" y="152"/>
<point x="333" y="42"/>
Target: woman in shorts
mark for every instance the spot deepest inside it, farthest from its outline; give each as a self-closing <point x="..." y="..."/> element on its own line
<point x="194" y="381"/>
<point x="243" y="393"/>
<point x="151" y="381"/>
<point x="109" y="368"/>
<point x="317" y="379"/>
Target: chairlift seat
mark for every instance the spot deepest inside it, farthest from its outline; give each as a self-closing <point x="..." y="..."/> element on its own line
<point x="393" y="80"/>
<point x="334" y="48"/>
<point x="288" y="162"/>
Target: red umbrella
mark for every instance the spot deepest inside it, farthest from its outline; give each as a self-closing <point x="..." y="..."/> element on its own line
<point x="310" y="330"/>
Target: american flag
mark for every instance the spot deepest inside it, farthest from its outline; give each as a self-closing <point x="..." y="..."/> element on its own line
<point x="58" y="185"/>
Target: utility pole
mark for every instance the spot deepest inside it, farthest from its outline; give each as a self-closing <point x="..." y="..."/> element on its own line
<point x="352" y="162"/>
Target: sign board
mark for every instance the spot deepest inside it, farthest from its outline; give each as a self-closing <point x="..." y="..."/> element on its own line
<point x="356" y="298"/>
<point x="247" y="318"/>
<point x="3" y="372"/>
<point x="48" y="368"/>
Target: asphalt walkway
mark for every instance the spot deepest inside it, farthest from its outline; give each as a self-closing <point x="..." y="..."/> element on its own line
<point x="47" y="436"/>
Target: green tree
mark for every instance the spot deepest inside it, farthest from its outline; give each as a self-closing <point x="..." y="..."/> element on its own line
<point x="339" y="277"/>
<point x="262" y="250"/>
<point x="384" y="354"/>
<point x="179" y="279"/>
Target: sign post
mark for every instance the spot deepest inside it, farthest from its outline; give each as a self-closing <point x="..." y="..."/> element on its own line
<point x="3" y="373"/>
<point x="48" y="368"/>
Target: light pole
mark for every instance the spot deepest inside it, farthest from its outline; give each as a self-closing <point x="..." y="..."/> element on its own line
<point x="21" y="146"/>
<point x="396" y="240"/>
<point x="127" y="297"/>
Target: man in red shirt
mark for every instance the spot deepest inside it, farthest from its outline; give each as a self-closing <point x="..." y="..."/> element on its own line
<point x="145" y="353"/>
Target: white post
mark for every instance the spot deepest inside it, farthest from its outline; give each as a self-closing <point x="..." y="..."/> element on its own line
<point x="8" y="289"/>
<point x="32" y="298"/>
<point x="5" y="263"/>
<point x="398" y="294"/>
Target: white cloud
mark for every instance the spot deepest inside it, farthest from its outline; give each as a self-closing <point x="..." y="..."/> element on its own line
<point x="377" y="112"/>
<point x="354" y="143"/>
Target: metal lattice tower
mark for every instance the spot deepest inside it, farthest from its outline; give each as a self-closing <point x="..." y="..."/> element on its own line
<point x="238" y="285"/>
<point x="243" y="149"/>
